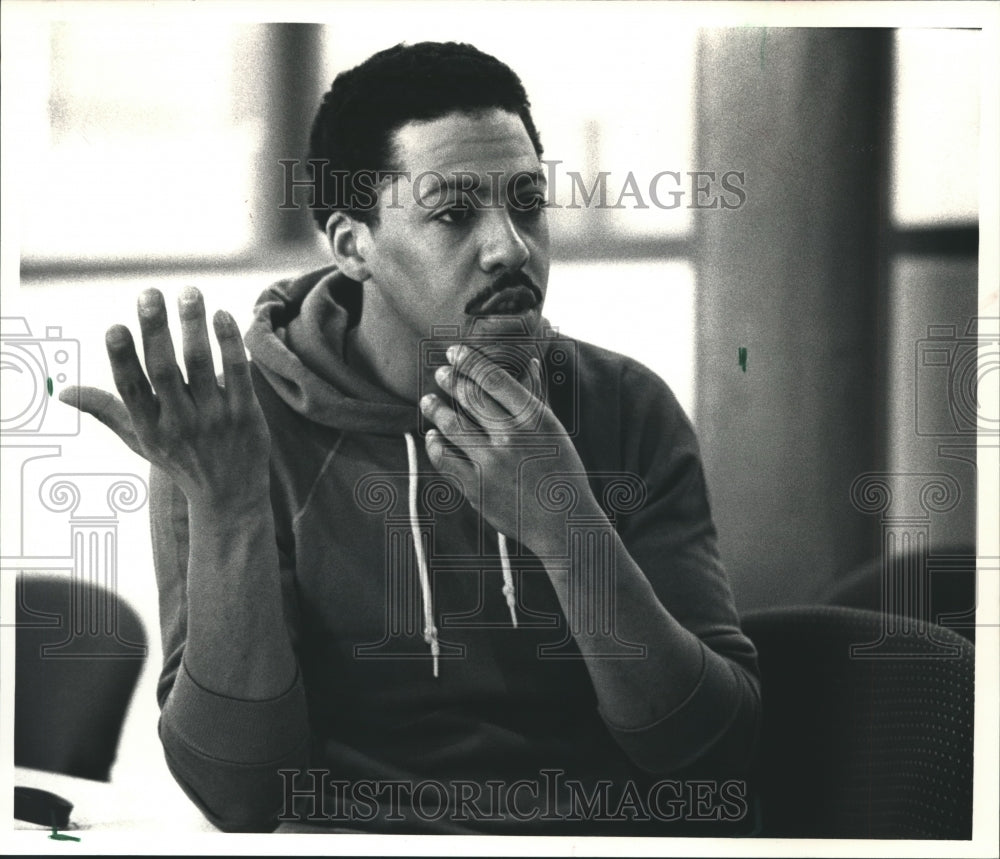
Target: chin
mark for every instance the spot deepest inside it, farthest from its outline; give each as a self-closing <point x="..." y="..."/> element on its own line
<point x="526" y="323"/>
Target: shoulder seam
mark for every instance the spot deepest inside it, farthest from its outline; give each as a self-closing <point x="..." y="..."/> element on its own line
<point x="319" y="476"/>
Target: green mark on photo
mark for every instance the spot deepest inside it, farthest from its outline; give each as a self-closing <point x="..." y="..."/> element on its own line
<point x="48" y="384"/>
<point x="743" y="358"/>
<point x="59" y="836"/>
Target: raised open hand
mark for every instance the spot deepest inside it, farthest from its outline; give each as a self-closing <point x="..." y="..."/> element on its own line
<point x="211" y="439"/>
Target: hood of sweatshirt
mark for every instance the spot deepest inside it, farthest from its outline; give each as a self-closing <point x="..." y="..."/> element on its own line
<point x="297" y="341"/>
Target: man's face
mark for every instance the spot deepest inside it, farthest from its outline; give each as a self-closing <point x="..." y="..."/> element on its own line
<point x="441" y="256"/>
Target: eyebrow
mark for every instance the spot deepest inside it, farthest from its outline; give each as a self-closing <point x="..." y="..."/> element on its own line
<point x="536" y="177"/>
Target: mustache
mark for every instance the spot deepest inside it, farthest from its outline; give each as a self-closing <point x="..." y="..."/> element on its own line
<point x="505" y="281"/>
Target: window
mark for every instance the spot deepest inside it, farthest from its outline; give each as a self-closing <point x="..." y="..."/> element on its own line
<point x="933" y="266"/>
<point x="141" y="145"/>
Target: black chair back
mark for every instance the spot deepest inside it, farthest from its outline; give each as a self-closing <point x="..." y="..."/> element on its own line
<point x="874" y="744"/>
<point x="79" y="652"/>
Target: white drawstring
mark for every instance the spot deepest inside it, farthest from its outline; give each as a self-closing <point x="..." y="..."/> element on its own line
<point x="430" y="631"/>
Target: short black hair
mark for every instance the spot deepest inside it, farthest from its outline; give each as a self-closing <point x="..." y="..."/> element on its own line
<point x="367" y="104"/>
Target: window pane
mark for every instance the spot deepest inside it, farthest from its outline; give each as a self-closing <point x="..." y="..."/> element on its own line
<point x="139" y="150"/>
<point x="941" y="378"/>
<point x="642" y="309"/>
<point x="936" y="127"/>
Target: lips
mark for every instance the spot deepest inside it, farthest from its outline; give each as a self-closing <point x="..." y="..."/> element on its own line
<point x="510" y="300"/>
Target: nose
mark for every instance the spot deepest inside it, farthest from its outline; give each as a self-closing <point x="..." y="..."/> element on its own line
<point x="502" y="246"/>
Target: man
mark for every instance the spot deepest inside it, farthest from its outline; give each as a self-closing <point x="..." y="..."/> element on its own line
<point x="423" y="566"/>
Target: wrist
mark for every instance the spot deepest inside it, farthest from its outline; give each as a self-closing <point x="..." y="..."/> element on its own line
<point x="237" y="508"/>
<point x="554" y="542"/>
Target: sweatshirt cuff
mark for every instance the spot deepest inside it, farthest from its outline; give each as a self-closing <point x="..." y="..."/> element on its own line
<point x="234" y="730"/>
<point x="686" y="733"/>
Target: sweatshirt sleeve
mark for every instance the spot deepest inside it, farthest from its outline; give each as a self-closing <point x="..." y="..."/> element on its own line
<point x="672" y="538"/>
<point x="225" y="753"/>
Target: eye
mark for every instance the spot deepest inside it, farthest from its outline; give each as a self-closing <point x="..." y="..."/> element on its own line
<point x="455" y="216"/>
<point x="531" y="206"/>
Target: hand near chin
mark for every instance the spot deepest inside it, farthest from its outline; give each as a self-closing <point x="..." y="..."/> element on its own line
<point x="212" y="440"/>
<point x="484" y="446"/>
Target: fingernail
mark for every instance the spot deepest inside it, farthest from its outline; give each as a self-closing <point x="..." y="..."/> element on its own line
<point x="427" y="401"/>
<point x="189" y="295"/>
<point x="452" y="353"/>
<point x="149" y="301"/>
<point x="117" y="335"/>
<point x="442" y="373"/>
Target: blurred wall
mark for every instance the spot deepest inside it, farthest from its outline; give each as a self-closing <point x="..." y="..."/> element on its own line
<point x="794" y="277"/>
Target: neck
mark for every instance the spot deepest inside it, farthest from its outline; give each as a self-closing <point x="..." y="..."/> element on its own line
<point x="387" y="354"/>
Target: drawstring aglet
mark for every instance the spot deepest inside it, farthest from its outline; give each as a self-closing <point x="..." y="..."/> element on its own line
<point x="508" y="578"/>
<point x="430" y="636"/>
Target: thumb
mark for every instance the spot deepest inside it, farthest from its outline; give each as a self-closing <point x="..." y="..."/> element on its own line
<point x="108" y="409"/>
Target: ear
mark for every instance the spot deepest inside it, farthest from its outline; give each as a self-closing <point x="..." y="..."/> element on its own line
<point x="349" y="239"/>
